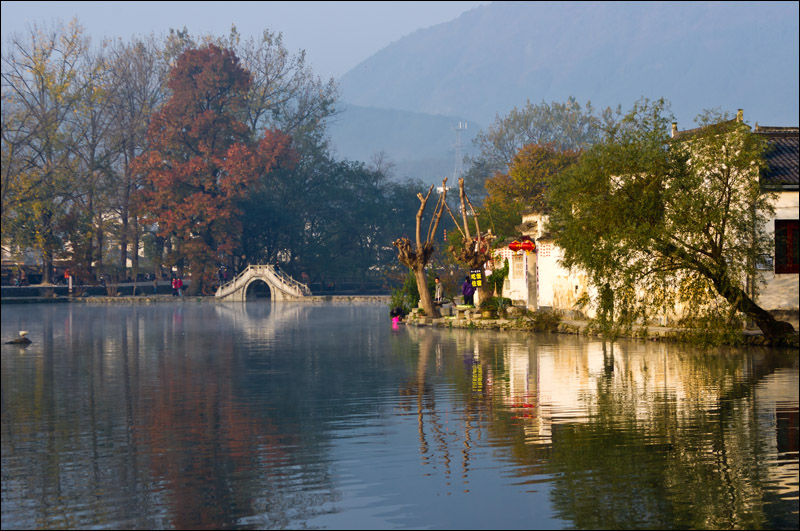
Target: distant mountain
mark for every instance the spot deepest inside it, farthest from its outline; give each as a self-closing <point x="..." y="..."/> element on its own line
<point x="420" y="145"/>
<point x="698" y="55"/>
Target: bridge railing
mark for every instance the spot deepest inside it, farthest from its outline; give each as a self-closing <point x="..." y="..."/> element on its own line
<point x="232" y="282"/>
<point x="290" y="281"/>
<point x="277" y="273"/>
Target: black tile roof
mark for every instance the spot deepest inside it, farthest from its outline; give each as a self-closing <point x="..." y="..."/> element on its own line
<point x="688" y="133"/>
<point x="783" y="155"/>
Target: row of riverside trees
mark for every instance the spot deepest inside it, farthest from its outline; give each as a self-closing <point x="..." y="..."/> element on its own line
<point x="656" y="221"/>
<point x="519" y="155"/>
<point x="203" y="151"/>
<point x="212" y="151"/>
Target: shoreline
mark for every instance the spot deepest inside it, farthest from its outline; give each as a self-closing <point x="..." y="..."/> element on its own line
<point x="583" y="328"/>
<point x="154" y="299"/>
<point x="468" y="321"/>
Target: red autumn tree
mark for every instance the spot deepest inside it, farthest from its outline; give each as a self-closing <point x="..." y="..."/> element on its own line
<point x="203" y="159"/>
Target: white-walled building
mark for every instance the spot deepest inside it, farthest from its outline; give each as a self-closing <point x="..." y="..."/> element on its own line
<point x="781" y="271"/>
<point x="537" y="281"/>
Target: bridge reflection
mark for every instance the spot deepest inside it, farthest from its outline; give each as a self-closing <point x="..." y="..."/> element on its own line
<point x="263" y="320"/>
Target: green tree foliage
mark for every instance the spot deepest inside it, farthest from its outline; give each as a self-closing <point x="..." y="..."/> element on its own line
<point x="203" y="158"/>
<point x="564" y="126"/>
<point x="326" y="218"/>
<point x="498" y="278"/>
<point x="524" y="186"/>
<point x="407" y="296"/>
<point x="668" y="222"/>
<point x="42" y="92"/>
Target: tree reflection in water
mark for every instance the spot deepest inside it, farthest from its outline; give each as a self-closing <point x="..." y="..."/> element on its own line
<point x="629" y="439"/>
<point x="275" y="416"/>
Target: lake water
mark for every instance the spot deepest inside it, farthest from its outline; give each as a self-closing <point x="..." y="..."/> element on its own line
<point x="291" y="415"/>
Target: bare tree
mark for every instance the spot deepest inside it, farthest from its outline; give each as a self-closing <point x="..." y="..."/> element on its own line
<point x="417" y="257"/>
<point x="94" y="154"/>
<point x="382" y="163"/>
<point x="137" y="87"/>
<point x="475" y="250"/>
<point x="285" y="94"/>
<point x="42" y="85"/>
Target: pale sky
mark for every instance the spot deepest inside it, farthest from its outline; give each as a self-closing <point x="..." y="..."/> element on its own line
<point x="335" y="35"/>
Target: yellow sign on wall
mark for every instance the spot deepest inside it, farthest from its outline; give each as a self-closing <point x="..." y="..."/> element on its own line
<point x="475" y="278"/>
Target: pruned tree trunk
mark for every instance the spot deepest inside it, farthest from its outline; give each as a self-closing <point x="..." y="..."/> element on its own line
<point x="424" y="294"/>
<point x="475" y="251"/>
<point x="417" y="256"/>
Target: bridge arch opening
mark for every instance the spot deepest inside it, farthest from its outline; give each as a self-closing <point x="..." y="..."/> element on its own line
<point x="257" y="290"/>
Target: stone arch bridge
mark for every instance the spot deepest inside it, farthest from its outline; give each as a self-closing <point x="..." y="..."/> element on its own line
<point x="282" y="287"/>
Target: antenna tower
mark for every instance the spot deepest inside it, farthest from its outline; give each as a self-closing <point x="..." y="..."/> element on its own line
<point x="459" y="169"/>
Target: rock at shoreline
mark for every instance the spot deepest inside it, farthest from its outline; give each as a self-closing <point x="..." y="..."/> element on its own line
<point x="21" y="340"/>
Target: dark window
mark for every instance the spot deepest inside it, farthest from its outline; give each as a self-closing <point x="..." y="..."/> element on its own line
<point x="787" y="246"/>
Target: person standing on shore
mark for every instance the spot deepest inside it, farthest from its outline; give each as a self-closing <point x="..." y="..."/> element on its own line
<point x="180" y="287"/>
<point x="174" y="287"/>
<point x="468" y="290"/>
<point x="439" y="291"/>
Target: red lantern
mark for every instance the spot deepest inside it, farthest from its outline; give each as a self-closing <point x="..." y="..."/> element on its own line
<point x="514" y="246"/>
<point x="527" y="246"/>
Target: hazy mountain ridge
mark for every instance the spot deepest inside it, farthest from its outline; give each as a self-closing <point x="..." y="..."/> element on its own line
<point x="495" y="57"/>
<point x="698" y="55"/>
<point x="420" y="145"/>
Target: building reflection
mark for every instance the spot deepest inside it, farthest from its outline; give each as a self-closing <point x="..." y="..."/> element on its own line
<point x="656" y="426"/>
<point x="190" y="417"/>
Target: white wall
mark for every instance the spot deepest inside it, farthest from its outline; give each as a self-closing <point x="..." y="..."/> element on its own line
<point x="516" y="285"/>
<point x="780" y="292"/>
<point x="544" y="283"/>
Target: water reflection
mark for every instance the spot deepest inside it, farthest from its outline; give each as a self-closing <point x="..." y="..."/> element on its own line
<point x="640" y="435"/>
<point x="263" y="415"/>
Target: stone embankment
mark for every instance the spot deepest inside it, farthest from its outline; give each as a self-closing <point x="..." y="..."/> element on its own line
<point x="147" y="297"/>
<point x="549" y="322"/>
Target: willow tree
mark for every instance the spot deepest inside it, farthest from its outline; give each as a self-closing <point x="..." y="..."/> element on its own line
<point x="417" y="255"/>
<point x="668" y="222"/>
